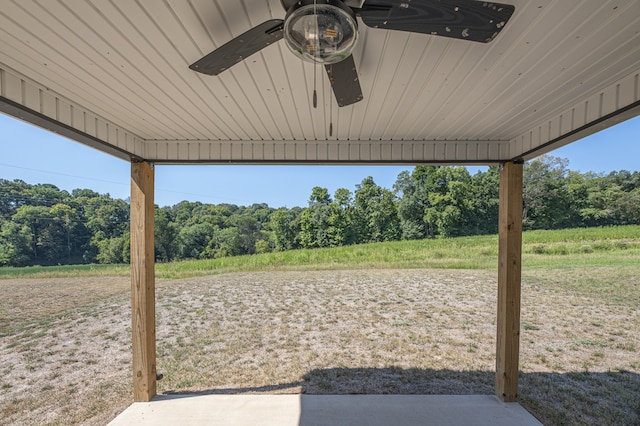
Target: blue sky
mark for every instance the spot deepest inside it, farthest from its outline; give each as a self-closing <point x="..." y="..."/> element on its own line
<point x="38" y="156"/>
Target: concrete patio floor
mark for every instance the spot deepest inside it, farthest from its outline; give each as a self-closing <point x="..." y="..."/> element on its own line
<point x="310" y="410"/>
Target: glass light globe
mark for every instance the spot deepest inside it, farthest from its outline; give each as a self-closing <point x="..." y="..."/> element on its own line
<point x="323" y="33"/>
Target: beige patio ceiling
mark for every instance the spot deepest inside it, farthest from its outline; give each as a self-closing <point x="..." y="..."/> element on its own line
<point x="114" y="75"/>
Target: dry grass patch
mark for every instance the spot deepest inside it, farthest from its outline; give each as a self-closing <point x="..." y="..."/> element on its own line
<point x="64" y="350"/>
<point x="66" y="360"/>
<point x="272" y="332"/>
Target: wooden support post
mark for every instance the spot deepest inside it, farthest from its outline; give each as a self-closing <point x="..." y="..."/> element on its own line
<point x="509" y="281"/>
<point x="143" y="312"/>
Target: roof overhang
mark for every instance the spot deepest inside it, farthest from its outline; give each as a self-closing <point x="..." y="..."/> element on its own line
<point x="115" y="76"/>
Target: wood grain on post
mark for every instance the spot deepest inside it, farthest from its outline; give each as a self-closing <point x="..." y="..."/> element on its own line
<point x="509" y="282"/>
<point x="143" y="282"/>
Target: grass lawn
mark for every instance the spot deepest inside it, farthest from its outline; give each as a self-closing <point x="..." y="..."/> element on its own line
<point x="595" y="246"/>
<point x="403" y="318"/>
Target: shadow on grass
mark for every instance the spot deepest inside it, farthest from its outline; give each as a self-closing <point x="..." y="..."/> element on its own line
<point x="385" y="381"/>
<point x="554" y="398"/>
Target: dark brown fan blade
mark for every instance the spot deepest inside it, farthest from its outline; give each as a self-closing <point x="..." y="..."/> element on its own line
<point x="345" y="82"/>
<point x="464" y="19"/>
<point x="240" y="48"/>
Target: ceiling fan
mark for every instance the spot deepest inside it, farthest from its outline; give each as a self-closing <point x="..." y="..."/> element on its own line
<point x="325" y="32"/>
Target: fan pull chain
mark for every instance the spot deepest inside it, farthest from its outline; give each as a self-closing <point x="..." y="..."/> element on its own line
<point x="315" y="79"/>
<point x="315" y="93"/>
<point x="331" y="104"/>
<point x="315" y="62"/>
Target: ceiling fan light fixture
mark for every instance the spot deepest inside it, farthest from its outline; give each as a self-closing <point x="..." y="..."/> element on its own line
<point x="325" y="32"/>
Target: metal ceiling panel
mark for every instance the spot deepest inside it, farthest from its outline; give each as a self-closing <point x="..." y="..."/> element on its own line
<point x="560" y="68"/>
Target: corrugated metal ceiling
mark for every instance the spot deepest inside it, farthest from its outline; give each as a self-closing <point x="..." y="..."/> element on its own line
<point x="127" y="62"/>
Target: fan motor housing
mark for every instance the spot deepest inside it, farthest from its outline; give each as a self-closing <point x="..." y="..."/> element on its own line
<point x="321" y="31"/>
<point x="292" y="5"/>
<point x="286" y="4"/>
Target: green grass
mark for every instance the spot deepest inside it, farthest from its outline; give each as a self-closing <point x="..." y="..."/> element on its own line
<point x="610" y="246"/>
<point x="64" y="271"/>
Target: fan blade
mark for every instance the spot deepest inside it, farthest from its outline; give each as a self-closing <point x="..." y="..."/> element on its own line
<point x="472" y="20"/>
<point x="240" y="48"/>
<point x="344" y="80"/>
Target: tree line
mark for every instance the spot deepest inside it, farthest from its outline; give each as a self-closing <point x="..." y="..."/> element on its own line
<point x="43" y="225"/>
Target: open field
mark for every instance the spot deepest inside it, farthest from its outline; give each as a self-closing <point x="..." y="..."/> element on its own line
<point x="595" y="246"/>
<point x="65" y="352"/>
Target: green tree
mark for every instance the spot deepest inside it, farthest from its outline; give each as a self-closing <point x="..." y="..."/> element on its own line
<point x="598" y="209"/>
<point x="578" y="196"/>
<point x="184" y="211"/>
<point x="263" y="246"/>
<point x="107" y="216"/>
<point x="13" y="194"/>
<point x="165" y="235"/>
<point x="484" y="202"/>
<point x="225" y="242"/>
<point x="65" y="234"/>
<point x="285" y="227"/>
<point x="545" y="194"/>
<point x="107" y="219"/>
<point x="410" y="188"/>
<point x="449" y="201"/>
<point x="249" y="231"/>
<point x="341" y="221"/>
<point x="36" y="219"/>
<point x="16" y="247"/>
<point x="375" y="212"/>
<point x="314" y="220"/>
<point x="627" y="210"/>
<point x="45" y="195"/>
<point x="194" y="239"/>
<point x="626" y="180"/>
<point x="114" y="249"/>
